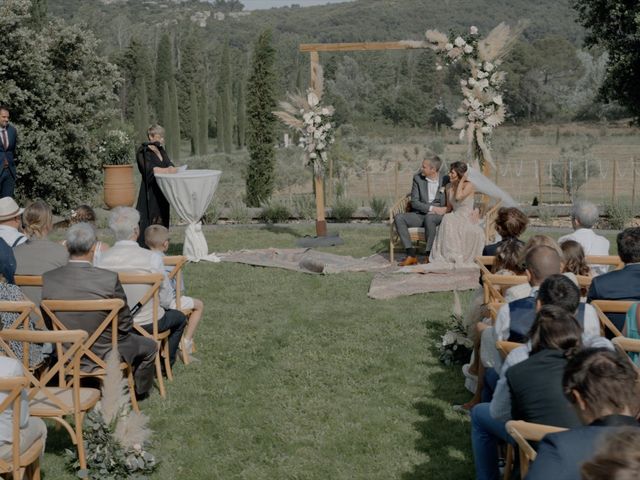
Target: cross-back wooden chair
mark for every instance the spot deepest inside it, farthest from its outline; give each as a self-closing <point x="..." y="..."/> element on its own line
<point x="25" y="310"/>
<point x="584" y="281"/>
<point x="610" y="306"/>
<point x="628" y="346"/>
<point x="31" y="282"/>
<point x="178" y="262"/>
<point x="488" y="215"/>
<point x="52" y="308"/>
<point x="154" y="282"/>
<point x="611" y="260"/>
<point x="67" y="399"/>
<point x="504" y="347"/>
<point x="523" y="433"/>
<point x="26" y="463"/>
<point x="494" y="286"/>
<point x="417" y="234"/>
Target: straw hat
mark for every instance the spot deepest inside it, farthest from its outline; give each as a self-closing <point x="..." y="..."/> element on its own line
<point x="9" y="209"/>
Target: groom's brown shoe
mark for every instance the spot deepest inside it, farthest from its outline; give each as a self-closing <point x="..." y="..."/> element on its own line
<point x="408" y="261"/>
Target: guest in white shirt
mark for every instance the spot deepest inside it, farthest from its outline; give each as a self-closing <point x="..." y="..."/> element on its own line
<point x="127" y="256"/>
<point x="10" y="222"/>
<point x="31" y="428"/>
<point x="584" y="216"/>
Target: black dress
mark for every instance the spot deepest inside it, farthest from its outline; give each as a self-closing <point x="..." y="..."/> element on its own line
<point x="154" y="208"/>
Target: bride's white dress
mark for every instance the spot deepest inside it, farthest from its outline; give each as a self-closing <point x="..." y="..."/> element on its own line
<point x="459" y="239"/>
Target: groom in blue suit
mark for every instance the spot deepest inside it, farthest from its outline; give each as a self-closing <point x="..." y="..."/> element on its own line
<point x="8" y="159"/>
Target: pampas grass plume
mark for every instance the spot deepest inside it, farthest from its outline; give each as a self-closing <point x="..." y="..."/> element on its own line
<point x="115" y="397"/>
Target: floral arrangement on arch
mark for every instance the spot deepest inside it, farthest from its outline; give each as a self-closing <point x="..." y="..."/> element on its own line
<point x="482" y="108"/>
<point x="307" y="115"/>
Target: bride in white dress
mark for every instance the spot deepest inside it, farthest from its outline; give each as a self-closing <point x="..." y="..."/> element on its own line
<point x="460" y="238"/>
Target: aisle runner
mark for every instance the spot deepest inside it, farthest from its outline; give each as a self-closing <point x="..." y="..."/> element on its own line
<point x="389" y="281"/>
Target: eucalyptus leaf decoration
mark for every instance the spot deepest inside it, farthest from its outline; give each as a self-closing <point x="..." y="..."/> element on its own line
<point x="307" y="115"/>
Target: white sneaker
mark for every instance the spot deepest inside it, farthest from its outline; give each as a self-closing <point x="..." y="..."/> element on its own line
<point x="470" y="380"/>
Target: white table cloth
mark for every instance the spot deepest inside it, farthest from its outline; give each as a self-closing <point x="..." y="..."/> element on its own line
<point x="190" y="192"/>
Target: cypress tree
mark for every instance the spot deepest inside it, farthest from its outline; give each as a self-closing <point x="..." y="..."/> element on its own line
<point x="219" y="124"/>
<point x="141" y="104"/>
<point x="261" y="122"/>
<point x="39" y="11"/>
<point x="175" y="120"/>
<point x="204" y="121"/>
<point x="194" y="123"/>
<point x="241" y="115"/>
<point x="224" y="91"/>
<point x="164" y="74"/>
<point x="166" y="119"/>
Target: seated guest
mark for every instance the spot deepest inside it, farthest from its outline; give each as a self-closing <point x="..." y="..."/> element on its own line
<point x="38" y="254"/>
<point x="604" y="390"/>
<point x="10" y="222"/>
<point x="584" y="216"/>
<point x="575" y="262"/>
<point x="7" y="262"/>
<point x="12" y="293"/>
<point x="31" y="428"/>
<point x="515" y="318"/>
<point x="80" y="280"/>
<point x="510" y="224"/>
<point x="127" y="256"/>
<point x="617" y="458"/>
<point x="86" y="214"/>
<point x="632" y="329"/>
<point x="535" y="388"/>
<point x="621" y="284"/>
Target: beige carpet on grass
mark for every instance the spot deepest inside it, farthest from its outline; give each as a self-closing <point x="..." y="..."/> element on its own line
<point x="390" y="281"/>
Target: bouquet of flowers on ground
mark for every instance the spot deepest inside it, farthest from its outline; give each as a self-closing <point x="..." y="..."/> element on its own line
<point x="116" y="437"/>
<point x="307" y="115"/>
<point x="455" y="347"/>
<point x="115" y="148"/>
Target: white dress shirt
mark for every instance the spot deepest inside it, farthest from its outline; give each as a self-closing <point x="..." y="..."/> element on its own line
<point x="127" y="256"/>
<point x="592" y="244"/>
<point x="11" y="234"/>
<point x="432" y="186"/>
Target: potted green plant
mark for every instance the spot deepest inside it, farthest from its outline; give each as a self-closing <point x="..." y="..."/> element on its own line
<point x="116" y="154"/>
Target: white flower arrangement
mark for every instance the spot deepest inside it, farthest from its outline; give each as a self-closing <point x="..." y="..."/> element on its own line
<point x="307" y="115"/>
<point x="482" y="108"/>
<point x="456" y="346"/>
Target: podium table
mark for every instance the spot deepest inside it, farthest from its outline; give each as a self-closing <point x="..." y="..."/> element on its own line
<point x="190" y="192"/>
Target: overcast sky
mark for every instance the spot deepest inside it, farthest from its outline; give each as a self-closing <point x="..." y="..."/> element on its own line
<point x="260" y="4"/>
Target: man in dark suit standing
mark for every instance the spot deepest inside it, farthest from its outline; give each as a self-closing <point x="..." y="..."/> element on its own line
<point x="8" y="158"/>
<point x="80" y="280"/>
<point x="621" y="284"/>
<point x="428" y="205"/>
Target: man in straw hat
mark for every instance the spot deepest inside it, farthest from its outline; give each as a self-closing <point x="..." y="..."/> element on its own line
<point x="10" y="222"/>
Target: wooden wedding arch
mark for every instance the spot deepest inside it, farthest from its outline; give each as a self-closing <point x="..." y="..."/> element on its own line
<point x="314" y="49"/>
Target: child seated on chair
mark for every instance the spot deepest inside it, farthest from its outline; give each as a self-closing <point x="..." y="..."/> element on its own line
<point x="157" y="239"/>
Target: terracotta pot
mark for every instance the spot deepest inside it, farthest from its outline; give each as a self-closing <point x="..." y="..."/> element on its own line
<point x="119" y="189"/>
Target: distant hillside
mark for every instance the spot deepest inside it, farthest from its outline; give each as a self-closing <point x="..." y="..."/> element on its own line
<point x="362" y="20"/>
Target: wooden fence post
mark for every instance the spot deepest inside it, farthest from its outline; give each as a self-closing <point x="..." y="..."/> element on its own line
<point x="613" y="180"/>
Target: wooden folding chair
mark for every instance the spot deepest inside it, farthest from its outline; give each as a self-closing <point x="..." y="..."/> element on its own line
<point x="27" y="284"/>
<point x="523" y="433"/>
<point x="417" y="234"/>
<point x="26" y="463"/>
<point x="504" y="347"/>
<point x="611" y="260"/>
<point x="489" y="218"/>
<point x="610" y="306"/>
<point x="111" y="307"/>
<point x="177" y="262"/>
<point x="154" y="281"/>
<point x="627" y="346"/>
<point x="68" y="398"/>
<point x="25" y="311"/>
<point x="494" y="285"/>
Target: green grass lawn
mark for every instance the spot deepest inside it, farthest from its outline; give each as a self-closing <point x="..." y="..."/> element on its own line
<point x="304" y="377"/>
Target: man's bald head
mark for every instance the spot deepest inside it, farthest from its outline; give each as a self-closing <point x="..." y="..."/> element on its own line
<point x="542" y="262"/>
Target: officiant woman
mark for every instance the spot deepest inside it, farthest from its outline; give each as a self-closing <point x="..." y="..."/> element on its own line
<point x="152" y="158"/>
